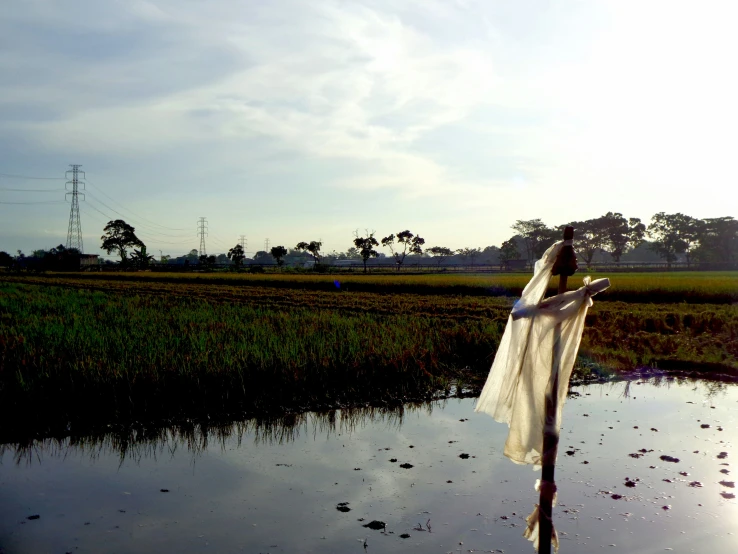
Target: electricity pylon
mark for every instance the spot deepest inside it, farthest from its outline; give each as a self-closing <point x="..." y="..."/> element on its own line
<point x="202" y="230"/>
<point x="74" y="231"/>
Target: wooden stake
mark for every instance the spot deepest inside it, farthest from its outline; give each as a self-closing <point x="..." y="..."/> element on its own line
<point x="565" y="265"/>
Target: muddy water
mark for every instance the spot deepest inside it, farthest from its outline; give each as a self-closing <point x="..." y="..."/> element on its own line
<point x="278" y="488"/>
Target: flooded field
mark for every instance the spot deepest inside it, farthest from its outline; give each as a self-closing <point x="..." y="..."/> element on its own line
<point x="642" y="467"/>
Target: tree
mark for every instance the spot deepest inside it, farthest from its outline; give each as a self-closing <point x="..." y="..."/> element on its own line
<point x="278" y="253"/>
<point x="237" y="255"/>
<point x="718" y="240"/>
<point x="59" y="258"/>
<point x="119" y="237"/>
<point x="590" y="237"/>
<point x="313" y="247"/>
<point x="353" y="253"/>
<point x="410" y="245"/>
<point x="470" y="253"/>
<point x="6" y="260"/>
<point x="141" y="259"/>
<point x="263" y="257"/>
<point x="440" y="253"/>
<point x="365" y="246"/>
<point x="206" y="262"/>
<point x="536" y="236"/>
<point x="508" y="252"/>
<point x="673" y="234"/>
<point x="490" y="255"/>
<point x="621" y="234"/>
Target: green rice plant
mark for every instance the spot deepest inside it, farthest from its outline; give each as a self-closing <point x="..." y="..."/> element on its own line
<point x="87" y="352"/>
<point x="145" y="348"/>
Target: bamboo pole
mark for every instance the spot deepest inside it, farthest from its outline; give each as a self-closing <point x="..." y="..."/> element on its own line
<point x="565" y="265"/>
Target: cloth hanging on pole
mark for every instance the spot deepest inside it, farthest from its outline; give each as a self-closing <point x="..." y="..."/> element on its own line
<point x="527" y="385"/>
<point x="522" y="370"/>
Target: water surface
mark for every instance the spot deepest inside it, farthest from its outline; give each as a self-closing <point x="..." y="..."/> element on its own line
<point x="276" y="487"/>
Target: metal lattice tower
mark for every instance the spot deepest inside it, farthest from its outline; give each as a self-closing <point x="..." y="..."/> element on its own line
<point x="266" y="245"/>
<point x="243" y="242"/>
<point x="74" y="232"/>
<point x="202" y="230"/>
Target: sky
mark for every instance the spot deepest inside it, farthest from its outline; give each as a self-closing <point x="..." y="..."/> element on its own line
<point x="307" y="120"/>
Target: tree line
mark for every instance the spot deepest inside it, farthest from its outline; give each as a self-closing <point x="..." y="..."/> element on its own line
<point x="670" y="236"/>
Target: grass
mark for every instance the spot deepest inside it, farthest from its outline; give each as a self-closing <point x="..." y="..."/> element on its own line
<point x="104" y="349"/>
<point x="81" y="353"/>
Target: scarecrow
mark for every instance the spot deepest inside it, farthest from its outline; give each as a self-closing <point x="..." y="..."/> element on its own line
<point x="527" y="385"/>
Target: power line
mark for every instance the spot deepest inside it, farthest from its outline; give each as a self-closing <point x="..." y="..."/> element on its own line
<point x="134" y="213"/>
<point x="11" y="176"/>
<point x="31" y="190"/>
<point x="143" y="233"/>
<point x="220" y="242"/>
<point x="40" y="202"/>
<point x="156" y="231"/>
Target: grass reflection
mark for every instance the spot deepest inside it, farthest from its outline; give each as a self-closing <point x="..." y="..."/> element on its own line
<point x="138" y="441"/>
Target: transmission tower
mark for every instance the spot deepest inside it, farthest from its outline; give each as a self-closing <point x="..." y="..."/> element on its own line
<point x="74" y="232"/>
<point x="202" y="230"/>
<point x="243" y="242"/>
<point x="266" y="245"/>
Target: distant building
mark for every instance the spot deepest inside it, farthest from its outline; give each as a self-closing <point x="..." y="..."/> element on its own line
<point x="87" y="261"/>
<point x="516" y="265"/>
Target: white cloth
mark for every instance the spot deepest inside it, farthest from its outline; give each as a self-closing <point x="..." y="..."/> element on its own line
<point x="523" y="369"/>
<point x="533" y="530"/>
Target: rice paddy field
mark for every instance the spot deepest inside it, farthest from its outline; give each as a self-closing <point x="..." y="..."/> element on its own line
<point x="97" y="348"/>
<point x="719" y="287"/>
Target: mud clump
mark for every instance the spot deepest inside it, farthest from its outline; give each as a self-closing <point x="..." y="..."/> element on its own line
<point x="464" y="456"/>
<point x="343" y="507"/>
<point x="406" y="466"/>
<point x="671" y="459"/>
<point x="376" y="525"/>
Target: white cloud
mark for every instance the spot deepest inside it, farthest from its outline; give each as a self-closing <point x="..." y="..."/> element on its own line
<point x="359" y="85"/>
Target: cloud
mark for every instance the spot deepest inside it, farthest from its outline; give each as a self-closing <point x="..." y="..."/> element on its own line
<point x="471" y="111"/>
<point x="327" y="80"/>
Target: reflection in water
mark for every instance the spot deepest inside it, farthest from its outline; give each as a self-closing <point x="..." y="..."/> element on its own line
<point x="433" y="473"/>
<point x="195" y="437"/>
<point x="709" y="388"/>
<point x="142" y="441"/>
